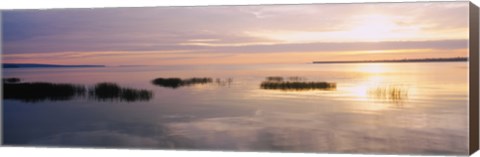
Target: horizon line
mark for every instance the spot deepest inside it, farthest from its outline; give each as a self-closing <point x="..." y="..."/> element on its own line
<point x="448" y="59"/>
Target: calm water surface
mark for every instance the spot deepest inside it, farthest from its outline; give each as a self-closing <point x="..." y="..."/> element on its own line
<point x="428" y="117"/>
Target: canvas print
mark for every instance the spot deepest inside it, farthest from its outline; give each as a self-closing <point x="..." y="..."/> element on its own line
<point x="381" y="78"/>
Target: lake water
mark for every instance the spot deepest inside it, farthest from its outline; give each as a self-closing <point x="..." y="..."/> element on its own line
<point x="429" y="116"/>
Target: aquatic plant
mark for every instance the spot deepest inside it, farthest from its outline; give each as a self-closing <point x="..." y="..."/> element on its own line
<point x="224" y="82"/>
<point x="105" y="90"/>
<point x="297" y="85"/>
<point x="274" y="78"/>
<point x="168" y="82"/>
<point x="177" y="82"/>
<point x="111" y="91"/>
<point x="40" y="91"/>
<point x="296" y="78"/>
<point x="294" y="83"/>
<point x="11" y="80"/>
<point x="280" y="79"/>
<point x="192" y="81"/>
<point x="130" y="95"/>
<point x="395" y="94"/>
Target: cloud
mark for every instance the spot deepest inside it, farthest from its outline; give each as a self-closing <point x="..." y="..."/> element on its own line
<point x="229" y="29"/>
<point x="247" y="54"/>
<point x="349" y="46"/>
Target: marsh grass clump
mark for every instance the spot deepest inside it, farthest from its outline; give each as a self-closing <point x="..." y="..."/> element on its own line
<point x="297" y="86"/>
<point x="280" y="79"/>
<point x="11" y="80"/>
<point x="192" y="81"/>
<point x="111" y="91"/>
<point x="274" y="78"/>
<point x="105" y="90"/>
<point x="224" y="82"/>
<point x="296" y="78"/>
<point x="177" y="82"/>
<point x="168" y="82"/>
<point x="130" y="95"/>
<point x="40" y="91"/>
<point x="392" y="93"/>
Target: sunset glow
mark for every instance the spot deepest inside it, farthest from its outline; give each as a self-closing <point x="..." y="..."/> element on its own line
<point x="231" y="35"/>
<point x="386" y="78"/>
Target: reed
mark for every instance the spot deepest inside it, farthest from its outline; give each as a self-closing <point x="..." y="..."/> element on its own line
<point x="296" y="78"/>
<point x="280" y="79"/>
<point x="392" y="93"/>
<point x="177" y="82"/>
<point x="295" y="85"/>
<point x="168" y="82"/>
<point x="223" y="82"/>
<point x="105" y="90"/>
<point x="192" y="81"/>
<point x="111" y="91"/>
<point x="40" y="91"/>
<point x="11" y="80"/>
<point x="274" y="78"/>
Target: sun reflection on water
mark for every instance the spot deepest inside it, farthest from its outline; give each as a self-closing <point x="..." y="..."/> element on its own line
<point x="378" y="91"/>
<point x="373" y="68"/>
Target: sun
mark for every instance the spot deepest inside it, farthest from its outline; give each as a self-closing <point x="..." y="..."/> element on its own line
<point x="374" y="28"/>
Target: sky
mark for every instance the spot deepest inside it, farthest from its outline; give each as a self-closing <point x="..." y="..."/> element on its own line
<point x="261" y="34"/>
